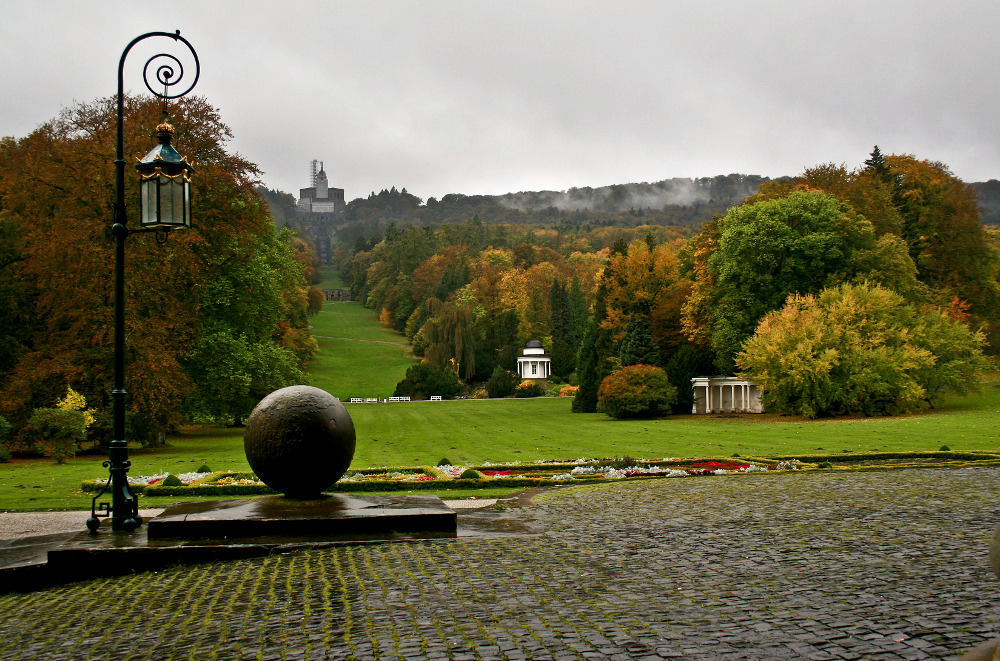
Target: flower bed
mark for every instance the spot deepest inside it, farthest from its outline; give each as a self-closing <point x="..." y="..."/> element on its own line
<point x="546" y="473"/>
<point x="513" y="474"/>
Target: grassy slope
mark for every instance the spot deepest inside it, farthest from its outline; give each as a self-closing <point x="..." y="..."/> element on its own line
<point x="358" y="356"/>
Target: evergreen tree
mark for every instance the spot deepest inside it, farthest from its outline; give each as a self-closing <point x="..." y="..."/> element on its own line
<point x="585" y="400"/>
<point x="687" y="363"/>
<point x="876" y="166"/>
<point x="637" y="347"/>
<point x="593" y="364"/>
<point x="563" y="349"/>
<point x="578" y="313"/>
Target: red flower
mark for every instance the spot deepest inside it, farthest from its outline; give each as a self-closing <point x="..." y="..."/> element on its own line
<point x="716" y="465"/>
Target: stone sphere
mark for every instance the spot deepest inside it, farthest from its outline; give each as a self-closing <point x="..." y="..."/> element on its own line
<point x="299" y="441"/>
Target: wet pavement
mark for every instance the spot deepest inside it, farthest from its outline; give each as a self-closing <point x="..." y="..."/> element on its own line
<point x="820" y="565"/>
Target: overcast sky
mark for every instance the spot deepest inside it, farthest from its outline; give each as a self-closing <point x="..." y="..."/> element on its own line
<point x="496" y="97"/>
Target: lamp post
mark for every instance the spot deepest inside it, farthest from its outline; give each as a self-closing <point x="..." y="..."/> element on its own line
<point x="165" y="202"/>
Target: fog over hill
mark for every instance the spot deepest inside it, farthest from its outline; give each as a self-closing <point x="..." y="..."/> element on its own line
<point x="677" y="201"/>
<point x="678" y="191"/>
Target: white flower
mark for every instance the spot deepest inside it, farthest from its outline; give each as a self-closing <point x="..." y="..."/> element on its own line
<point x="145" y="479"/>
<point x="562" y="476"/>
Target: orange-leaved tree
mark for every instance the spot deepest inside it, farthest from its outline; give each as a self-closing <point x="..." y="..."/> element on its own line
<point x="231" y="274"/>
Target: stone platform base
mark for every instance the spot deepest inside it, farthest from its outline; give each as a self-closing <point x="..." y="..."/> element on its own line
<point x="330" y="516"/>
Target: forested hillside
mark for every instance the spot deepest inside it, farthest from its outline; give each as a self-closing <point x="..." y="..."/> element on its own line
<point x="688" y="298"/>
<point x="682" y="202"/>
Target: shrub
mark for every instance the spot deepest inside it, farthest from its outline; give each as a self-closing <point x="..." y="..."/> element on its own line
<point x="425" y="380"/>
<point x="945" y="448"/>
<point x="203" y="469"/>
<point x="4" y="454"/>
<point x="623" y="462"/>
<point x="569" y="391"/>
<point x="529" y="388"/>
<point x="444" y="462"/>
<point x="57" y="431"/>
<point x="502" y="383"/>
<point x="470" y="474"/>
<point x="482" y="393"/>
<point x="172" y="481"/>
<point x="636" y="391"/>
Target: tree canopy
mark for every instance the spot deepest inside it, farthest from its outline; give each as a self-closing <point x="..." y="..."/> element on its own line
<point x="859" y="349"/>
<point x="230" y="278"/>
<point x="799" y="243"/>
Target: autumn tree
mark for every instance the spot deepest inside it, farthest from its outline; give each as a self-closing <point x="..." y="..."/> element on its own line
<point x="859" y="349"/>
<point x="800" y="243"/>
<point x="935" y="215"/>
<point x="64" y="268"/>
<point x="946" y="239"/>
<point x="16" y="313"/>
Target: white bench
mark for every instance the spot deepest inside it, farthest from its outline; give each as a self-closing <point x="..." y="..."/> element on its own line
<point x="357" y="400"/>
<point x="435" y="398"/>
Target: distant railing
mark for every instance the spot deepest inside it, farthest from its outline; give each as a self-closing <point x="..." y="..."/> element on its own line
<point x="391" y="400"/>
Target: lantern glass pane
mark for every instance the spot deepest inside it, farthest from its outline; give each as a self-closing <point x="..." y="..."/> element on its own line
<point x="169" y="201"/>
<point x="147" y="201"/>
<point x="187" y="203"/>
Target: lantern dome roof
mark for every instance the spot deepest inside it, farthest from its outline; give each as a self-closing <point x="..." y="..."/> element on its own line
<point x="164" y="155"/>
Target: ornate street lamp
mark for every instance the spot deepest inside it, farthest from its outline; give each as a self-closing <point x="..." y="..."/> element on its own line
<point x="164" y="185"/>
<point x="165" y="203"/>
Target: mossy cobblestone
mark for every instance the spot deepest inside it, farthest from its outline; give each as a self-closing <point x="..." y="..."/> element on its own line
<point x="859" y="565"/>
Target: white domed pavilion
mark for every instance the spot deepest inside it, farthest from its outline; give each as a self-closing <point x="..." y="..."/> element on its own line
<point x="534" y="364"/>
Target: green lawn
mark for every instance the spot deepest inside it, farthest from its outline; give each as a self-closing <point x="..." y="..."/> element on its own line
<point x="476" y="431"/>
<point x="531" y="429"/>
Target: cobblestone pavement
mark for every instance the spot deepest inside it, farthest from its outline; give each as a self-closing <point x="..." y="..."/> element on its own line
<point x="872" y="565"/>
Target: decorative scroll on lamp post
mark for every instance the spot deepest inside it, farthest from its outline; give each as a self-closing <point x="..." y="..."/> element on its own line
<point x="165" y="204"/>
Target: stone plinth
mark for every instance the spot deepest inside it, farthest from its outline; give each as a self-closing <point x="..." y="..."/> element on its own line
<point x="331" y="515"/>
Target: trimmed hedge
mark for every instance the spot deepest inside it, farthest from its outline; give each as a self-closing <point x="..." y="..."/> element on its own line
<point x="847" y="457"/>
